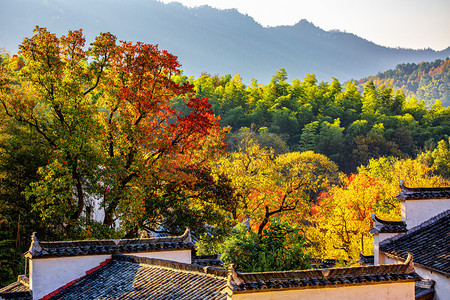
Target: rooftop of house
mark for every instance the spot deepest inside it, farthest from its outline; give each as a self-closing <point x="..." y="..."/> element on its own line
<point x="421" y="193"/>
<point x="423" y="288"/>
<point x="207" y="260"/>
<point x="40" y="249"/>
<point x="132" y="277"/>
<point x="250" y="282"/>
<point x="19" y="290"/>
<point x="428" y="242"/>
<point x="383" y="226"/>
<point x="366" y="259"/>
<point x="325" y="263"/>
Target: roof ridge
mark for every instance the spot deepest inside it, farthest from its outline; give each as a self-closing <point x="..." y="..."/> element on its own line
<point x="249" y="282"/>
<point x="418" y="227"/>
<point x="410" y="193"/>
<point x="384" y="226"/>
<point x="387" y="222"/>
<point x="118" y="241"/>
<point x="93" y="247"/>
<point x="323" y="273"/>
<point x="170" y="264"/>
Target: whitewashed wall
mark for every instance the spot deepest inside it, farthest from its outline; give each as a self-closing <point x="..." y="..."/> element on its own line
<point x="49" y="274"/>
<point x="415" y="212"/>
<point x="377" y="239"/>
<point x="393" y="291"/>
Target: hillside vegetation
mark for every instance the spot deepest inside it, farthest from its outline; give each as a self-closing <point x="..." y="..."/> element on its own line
<point x="425" y="81"/>
<point x="347" y="125"/>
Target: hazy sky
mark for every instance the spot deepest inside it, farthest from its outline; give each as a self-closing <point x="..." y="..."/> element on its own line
<point x="413" y="24"/>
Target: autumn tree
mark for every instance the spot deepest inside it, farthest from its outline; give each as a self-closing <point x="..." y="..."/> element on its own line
<point x="106" y="113"/>
<point x="342" y="218"/>
<point x="269" y="186"/>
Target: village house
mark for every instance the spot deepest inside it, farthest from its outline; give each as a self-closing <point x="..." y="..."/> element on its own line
<point x="406" y="252"/>
<point x="162" y="268"/>
<point x="424" y="232"/>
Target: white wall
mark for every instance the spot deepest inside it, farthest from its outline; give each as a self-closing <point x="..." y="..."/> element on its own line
<point x="415" y="212"/>
<point x="49" y="274"/>
<point x="377" y="239"/>
<point x="394" y="291"/>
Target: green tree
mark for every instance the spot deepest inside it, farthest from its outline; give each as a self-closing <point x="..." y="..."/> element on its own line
<point x="281" y="247"/>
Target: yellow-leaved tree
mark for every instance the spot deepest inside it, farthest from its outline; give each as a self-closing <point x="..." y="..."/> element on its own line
<point x="268" y="186"/>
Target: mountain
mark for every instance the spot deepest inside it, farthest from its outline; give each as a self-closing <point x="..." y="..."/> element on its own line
<point x="211" y="40"/>
<point x="425" y="81"/>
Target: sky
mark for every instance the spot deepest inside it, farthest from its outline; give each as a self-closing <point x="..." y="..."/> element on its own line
<point x="415" y="24"/>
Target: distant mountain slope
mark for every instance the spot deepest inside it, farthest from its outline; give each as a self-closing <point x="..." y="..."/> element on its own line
<point x="425" y="81"/>
<point x="207" y="39"/>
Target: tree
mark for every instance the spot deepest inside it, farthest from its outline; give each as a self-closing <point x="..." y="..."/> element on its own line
<point x="280" y="247"/>
<point x="344" y="216"/>
<point x="267" y="186"/>
<point x="108" y="117"/>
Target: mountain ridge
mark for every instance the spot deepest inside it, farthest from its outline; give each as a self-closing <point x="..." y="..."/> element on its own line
<point x="213" y="40"/>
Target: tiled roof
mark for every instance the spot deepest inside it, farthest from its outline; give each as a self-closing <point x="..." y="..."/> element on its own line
<point x="324" y="263"/>
<point x="424" y="289"/>
<point x="19" y="290"/>
<point x="421" y="193"/>
<point x="207" y="260"/>
<point x="366" y="259"/>
<point x="429" y="242"/>
<point x="92" y="247"/>
<point x="250" y="282"/>
<point x="382" y="226"/>
<point x="132" y="277"/>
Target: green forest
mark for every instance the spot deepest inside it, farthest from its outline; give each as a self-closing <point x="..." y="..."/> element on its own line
<point x="346" y="124"/>
<point x="117" y="127"/>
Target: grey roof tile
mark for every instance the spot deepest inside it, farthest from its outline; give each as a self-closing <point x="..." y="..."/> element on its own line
<point x="19" y="290"/>
<point x="131" y="277"/>
<point x="429" y="242"/>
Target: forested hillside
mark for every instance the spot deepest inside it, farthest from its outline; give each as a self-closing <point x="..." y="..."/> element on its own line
<point x="348" y="126"/>
<point x="425" y="81"/>
<point x="112" y="140"/>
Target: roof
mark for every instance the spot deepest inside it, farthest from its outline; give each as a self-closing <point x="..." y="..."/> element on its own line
<point x="324" y="263"/>
<point x="383" y="226"/>
<point x="207" y="260"/>
<point x="254" y="282"/>
<point x="366" y="259"/>
<point x="19" y="290"/>
<point x="423" y="288"/>
<point x="132" y="277"/>
<point x="428" y="242"/>
<point x="40" y="249"/>
<point x="421" y="193"/>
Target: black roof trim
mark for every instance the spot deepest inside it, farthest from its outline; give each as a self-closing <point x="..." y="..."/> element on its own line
<point x="40" y="249"/>
<point x="421" y="193"/>
<point x="383" y="226"/>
